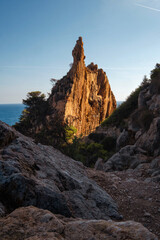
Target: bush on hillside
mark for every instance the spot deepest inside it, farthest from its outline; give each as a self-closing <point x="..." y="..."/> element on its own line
<point x="109" y="144"/>
<point x="96" y="137"/>
<point x="87" y="153"/>
<point x="117" y="118"/>
<point x="70" y="131"/>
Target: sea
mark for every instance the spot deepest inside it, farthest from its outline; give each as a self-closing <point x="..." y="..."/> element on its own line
<point x="10" y="113"/>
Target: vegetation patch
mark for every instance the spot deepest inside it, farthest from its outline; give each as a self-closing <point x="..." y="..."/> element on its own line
<point x="123" y="111"/>
<point x="120" y="114"/>
<point x="87" y="153"/>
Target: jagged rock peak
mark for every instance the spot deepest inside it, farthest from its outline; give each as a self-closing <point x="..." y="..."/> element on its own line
<point x="83" y="98"/>
<point x="92" y="66"/>
<point x="78" y="51"/>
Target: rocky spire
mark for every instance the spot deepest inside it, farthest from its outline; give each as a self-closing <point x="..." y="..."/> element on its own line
<point x="83" y="98"/>
<point x="78" y="51"/>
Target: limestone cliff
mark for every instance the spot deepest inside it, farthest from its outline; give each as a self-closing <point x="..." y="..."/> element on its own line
<point x="83" y="98"/>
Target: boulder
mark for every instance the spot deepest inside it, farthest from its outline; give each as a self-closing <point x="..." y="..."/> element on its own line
<point x="154" y="169"/>
<point x="42" y="176"/>
<point x="144" y="97"/>
<point x="150" y="139"/>
<point x="99" y="164"/>
<point x="122" y="139"/>
<point x="128" y="157"/>
<point x="37" y="224"/>
<point x="154" y="104"/>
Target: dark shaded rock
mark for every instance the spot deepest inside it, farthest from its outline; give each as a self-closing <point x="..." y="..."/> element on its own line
<point x="99" y="164"/>
<point x="42" y="176"/>
<point x="128" y="157"/>
<point x="154" y="169"/>
<point x="122" y="139"/>
<point x="150" y="139"/>
<point x="2" y="210"/>
<point x="7" y="135"/>
<point x="143" y="97"/>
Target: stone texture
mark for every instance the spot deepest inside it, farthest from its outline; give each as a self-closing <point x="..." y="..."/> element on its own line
<point x="83" y="98"/>
<point x="154" y="169"/>
<point x="142" y="130"/>
<point x="150" y="139"/>
<point x="109" y="131"/>
<point x="122" y="140"/>
<point x="2" y="210"/>
<point x="99" y="164"/>
<point x="135" y="192"/>
<point x="128" y="157"/>
<point x="6" y="136"/>
<point x="144" y="97"/>
<point x="37" y="224"/>
<point x="42" y="176"/>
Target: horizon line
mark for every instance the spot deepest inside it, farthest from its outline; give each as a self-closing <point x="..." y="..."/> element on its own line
<point x="108" y="68"/>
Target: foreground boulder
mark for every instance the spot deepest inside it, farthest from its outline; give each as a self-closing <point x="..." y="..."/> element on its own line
<point x="83" y="98"/>
<point x="37" y="224"/>
<point x="42" y="176"/>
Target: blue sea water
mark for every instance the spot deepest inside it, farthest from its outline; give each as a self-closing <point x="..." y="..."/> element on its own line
<point x="10" y="113"/>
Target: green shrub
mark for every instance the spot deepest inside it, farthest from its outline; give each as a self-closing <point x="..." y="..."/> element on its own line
<point x="34" y="113"/>
<point x="87" y="153"/>
<point x="96" y="137"/>
<point x="70" y="131"/>
<point x="109" y="143"/>
<point x="117" y="118"/>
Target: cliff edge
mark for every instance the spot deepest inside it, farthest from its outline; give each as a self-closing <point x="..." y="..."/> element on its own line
<point x="83" y="98"/>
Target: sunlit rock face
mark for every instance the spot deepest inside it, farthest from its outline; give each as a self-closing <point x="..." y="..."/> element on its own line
<point x="37" y="224"/>
<point x="83" y="98"/>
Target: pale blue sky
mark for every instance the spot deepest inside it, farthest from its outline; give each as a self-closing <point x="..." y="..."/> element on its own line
<point x="37" y="38"/>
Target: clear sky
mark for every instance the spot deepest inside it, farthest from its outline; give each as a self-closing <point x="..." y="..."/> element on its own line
<point x="37" y="38"/>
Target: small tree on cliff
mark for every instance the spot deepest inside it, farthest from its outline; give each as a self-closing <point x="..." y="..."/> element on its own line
<point x="35" y="103"/>
<point x="34" y="112"/>
<point x="34" y="98"/>
<point x="33" y="122"/>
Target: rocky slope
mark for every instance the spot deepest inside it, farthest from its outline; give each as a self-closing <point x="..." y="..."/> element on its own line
<point x="142" y="130"/>
<point x="47" y="195"/>
<point x="83" y="98"/>
<point x="132" y="174"/>
<point x="136" y="193"/>
<point x="40" y="176"/>
<point x="36" y="224"/>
